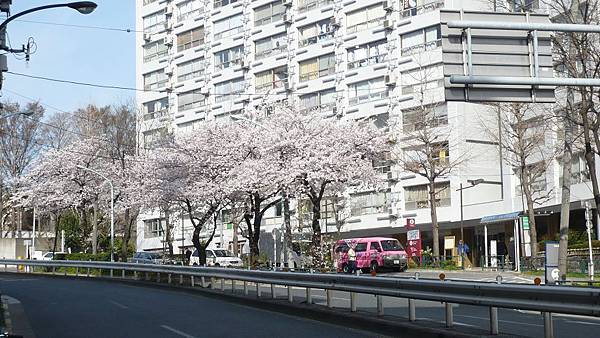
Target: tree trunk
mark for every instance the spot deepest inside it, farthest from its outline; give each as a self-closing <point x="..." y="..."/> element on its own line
<point x="95" y="228"/>
<point x="56" y="220"/>
<point x="169" y="233"/>
<point x="317" y="246"/>
<point x="234" y="228"/>
<point x="201" y="248"/>
<point x="590" y="157"/>
<point x="435" y="229"/>
<point x="526" y="190"/>
<point x="127" y="225"/>
<point x="287" y="236"/>
<point x="565" y="207"/>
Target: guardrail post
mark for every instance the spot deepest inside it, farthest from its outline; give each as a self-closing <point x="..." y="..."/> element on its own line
<point x="5" y="267"/>
<point x="245" y="288"/>
<point x="88" y="272"/>
<point x="223" y="284"/>
<point x="123" y="273"/>
<point x="212" y="283"/>
<point x="53" y="270"/>
<point x="257" y="289"/>
<point x="494" y="313"/>
<point x="233" y="286"/>
<point x="158" y="277"/>
<point x="65" y="270"/>
<point x="169" y="278"/>
<point x="111" y="273"/>
<point x="328" y="294"/>
<point x="449" y="315"/>
<point x="192" y="280"/>
<point x="180" y="279"/>
<point x="353" y="301"/>
<point x="202" y="282"/>
<point x="147" y="276"/>
<point x="379" y="305"/>
<point x="412" y="311"/>
<point x="548" y="326"/>
<point x="77" y="271"/>
<point x="308" y="296"/>
<point x="273" y="295"/>
<point x="290" y="294"/>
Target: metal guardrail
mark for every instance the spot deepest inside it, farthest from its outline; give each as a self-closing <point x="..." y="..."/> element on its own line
<point x="546" y="299"/>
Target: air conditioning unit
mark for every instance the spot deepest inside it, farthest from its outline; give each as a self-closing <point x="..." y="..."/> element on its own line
<point x="390" y="80"/>
<point x="287" y="3"/>
<point x="388" y="24"/>
<point x="287" y="18"/>
<point x="169" y="71"/>
<point x="169" y="41"/>
<point x="147" y="37"/>
<point x="335" y="22"/>
<point x="245" y="65"/>
<point x="388" y="6"/>
<point x="169" y="25"/>
<point x="169" y="11"/>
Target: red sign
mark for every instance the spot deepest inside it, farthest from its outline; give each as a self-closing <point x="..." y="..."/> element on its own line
<point x="410" y="223"/>
<point x="413" y="244"/>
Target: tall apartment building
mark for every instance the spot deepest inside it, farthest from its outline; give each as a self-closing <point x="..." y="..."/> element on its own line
<point x="203" y="60"/>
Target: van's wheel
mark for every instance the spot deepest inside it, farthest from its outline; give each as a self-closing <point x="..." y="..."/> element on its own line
<point x="345" y="268"/>
<point x="195" y="264"/>
<point x="374" y="266"/>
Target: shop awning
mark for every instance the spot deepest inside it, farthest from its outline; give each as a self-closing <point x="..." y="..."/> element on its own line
<point x="500" y="218"/>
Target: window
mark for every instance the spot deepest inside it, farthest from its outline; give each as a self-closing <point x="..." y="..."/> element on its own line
<point x="316" y="32"/>
<point x="417" y="197"/>
<point x="154" y="22"/>
<point x="227" y="90"/>
<point x="155" y="80"/>
<point x="154" y="227"/>
<point x="423" y="117"/>
<point x="187" y="127"/>
<point x="268" y="13"/>
<point x="155" y="50"/>
<point x="439" y="152"/>
<point x="375" y="246"/>
<point x="190" y="39"/>
<point x="579" y="170"/>
<point x="190" y="69"/>
<point x="271" y="79"/>
<point x="421" y="40"/>
<point x="318" y="67"/>
<point x="155" y="109"/>
<point x="188" y="9"/>
<point x="229" y="57"/>
<point x="147" y="2"/>
<point x="524" y="5"/>
<point x="383" y="164"/>
<point x="365" y="18"/>
<point x="422" y="6"/>
<point x="221" y="3"/>
<point x="361" y="247"/>
<point x="190" y="100"/>
<point x="228" y="26"/>
<point x="369" y="203"/>
<point x="368" y="54"/>
<point x="307" y="5"/>
<point x="272" y="45"/>
<point x="323" y="100"/>
<point x="537" y="177"/>
<point x="368" y="90"/>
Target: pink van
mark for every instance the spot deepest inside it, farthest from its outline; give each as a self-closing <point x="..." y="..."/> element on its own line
<point x="372" y="253"/>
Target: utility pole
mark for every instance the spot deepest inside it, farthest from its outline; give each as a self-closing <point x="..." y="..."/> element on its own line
<point x="588" y="224"/>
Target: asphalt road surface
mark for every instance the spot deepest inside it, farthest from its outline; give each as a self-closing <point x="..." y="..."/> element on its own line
<point x="64" y="308"/>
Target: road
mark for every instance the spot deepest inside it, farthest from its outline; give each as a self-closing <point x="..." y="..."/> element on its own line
<point x="85" y="308"/>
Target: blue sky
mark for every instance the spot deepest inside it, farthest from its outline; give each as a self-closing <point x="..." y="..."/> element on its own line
<point x="76" y="54"/>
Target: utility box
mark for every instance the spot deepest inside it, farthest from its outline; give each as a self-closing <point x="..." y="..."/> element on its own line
<point x="552" y="272"/>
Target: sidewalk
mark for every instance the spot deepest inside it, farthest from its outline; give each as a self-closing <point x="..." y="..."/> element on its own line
<point x="17" y="321"/>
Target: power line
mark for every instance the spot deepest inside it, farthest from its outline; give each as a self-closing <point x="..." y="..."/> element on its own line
<point x="115" y="29"/>
<point x="81" y="83"/>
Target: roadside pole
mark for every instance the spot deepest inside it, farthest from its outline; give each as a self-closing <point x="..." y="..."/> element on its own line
<point x="588" y="224"/>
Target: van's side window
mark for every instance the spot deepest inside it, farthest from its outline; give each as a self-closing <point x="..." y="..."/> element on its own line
<point x="361" y="247"/>
<point x="375" y="246"/>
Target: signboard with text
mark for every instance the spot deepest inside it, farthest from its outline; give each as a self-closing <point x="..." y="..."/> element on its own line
<point x="413" y="244"/>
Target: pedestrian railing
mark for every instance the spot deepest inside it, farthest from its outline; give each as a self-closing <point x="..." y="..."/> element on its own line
<point x="546" y="299"/>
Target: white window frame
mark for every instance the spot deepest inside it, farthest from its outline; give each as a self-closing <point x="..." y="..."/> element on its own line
<point x="231" y="30"/>
<point x="197" y="69"/>
<point x="237" y="52"/>
<point x="353" y="27"/>
<point x="273" y="17"/>
<point x="376" y="90"/>
<point x="197" y="100"/>
<point x="273" y="50"/>
<point x="161" y="80"/>
<point x="154" y="22"/>
<point x="157" y="53"/>
<point x="319" y="73"/>
<point x="320" y="36"/>
<point x="368" y="59"/>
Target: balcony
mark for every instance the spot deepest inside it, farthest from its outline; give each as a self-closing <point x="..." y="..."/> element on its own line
<point x="270" y="52"/>
<point x="367" y="61"/>
<point x="365" y="25"/>
<point x="431" y="45"/>
<point x="265" y="87"/>
<point x="188" y="15"/>
<point x="314" y="4"/>
<point x="368" y="96"/>
<point x="429" y="7"/>
<point x="315" y="39"/>
<point x="317" y="74"/>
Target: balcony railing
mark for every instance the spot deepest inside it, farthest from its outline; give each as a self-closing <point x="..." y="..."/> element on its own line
<point x="271" y="85"/>
<point x="429" y="7"/>
<point x="318" y="38"/>
<point x="416" y="49"/>
<point x="191" y="105"/>
<point x="188" y="76"/>
<point x="148" y="58"/>
<point x="228" y="64"/>
<point x="365" y="25"/>
<point x="317" y="74"/>
<point x="367" y="96"/>
<point x="156" y="85"/>
<point x="310" y="5"/>
<point x="156" y="114"/>
<point x="229" y="32"/>
<point x="368" y="61"/>
<point x="270" y="52"/>
<point x="194" y="13"/>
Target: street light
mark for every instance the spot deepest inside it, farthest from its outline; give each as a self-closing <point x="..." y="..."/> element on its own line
<point x="112" y="210"/>
<point x="473" y="183"/>
<point x="25" y="113"/>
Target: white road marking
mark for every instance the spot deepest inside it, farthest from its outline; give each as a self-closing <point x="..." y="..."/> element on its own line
<point x="17" y="280"/>
<point x="584" y="323"/>
<point x="119" y="304"/>
<point x="183" y="334"/>
<point x="500" y="320"/>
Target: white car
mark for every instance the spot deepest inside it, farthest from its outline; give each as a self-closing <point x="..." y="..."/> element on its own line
<point x="48" y="256"/>
<point x="217" y="257"/>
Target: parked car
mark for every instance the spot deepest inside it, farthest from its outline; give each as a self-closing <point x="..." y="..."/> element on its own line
<point x="147" y="258"/>
<point x="217" y="257"/>
<point x="371" y="254"/>
<point x="52" y="256"/>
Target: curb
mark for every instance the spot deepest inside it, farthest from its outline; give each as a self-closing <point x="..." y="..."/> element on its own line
<point x="7" y="321"/>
